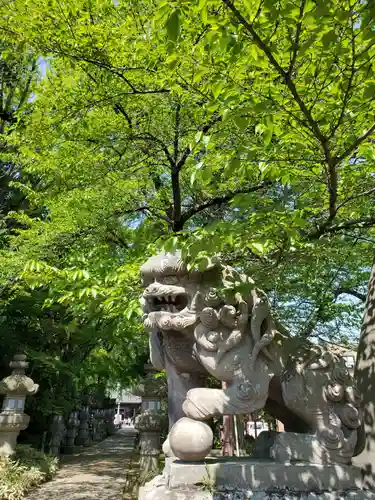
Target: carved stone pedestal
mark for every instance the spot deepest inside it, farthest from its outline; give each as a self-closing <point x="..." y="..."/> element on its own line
<point x="149" y="424"/>
<point x="10" y="427"/>
<point x="257" y="479"/>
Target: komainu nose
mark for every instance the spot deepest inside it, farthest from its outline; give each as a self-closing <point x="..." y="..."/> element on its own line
<point x="151" y="289"/>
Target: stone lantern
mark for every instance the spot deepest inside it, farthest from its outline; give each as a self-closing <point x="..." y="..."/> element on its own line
<point x="150" y="425"/>
<point x="152" y="390"/>
<point x="12" y="417"/>
<point x="152" y="420"/>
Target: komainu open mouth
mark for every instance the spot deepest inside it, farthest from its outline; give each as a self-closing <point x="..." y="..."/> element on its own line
<point x="169" y="303"/>
<point x="169" y="298"/>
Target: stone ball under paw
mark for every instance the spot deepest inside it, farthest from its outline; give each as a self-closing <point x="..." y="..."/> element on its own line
<point x="167" y="448"/>
<point x="190" y="439"/>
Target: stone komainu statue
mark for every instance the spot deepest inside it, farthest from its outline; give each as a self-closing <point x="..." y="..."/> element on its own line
<point x="214" y="323"/>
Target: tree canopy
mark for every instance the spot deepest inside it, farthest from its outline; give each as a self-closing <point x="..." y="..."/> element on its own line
<point x="241" y="128"/>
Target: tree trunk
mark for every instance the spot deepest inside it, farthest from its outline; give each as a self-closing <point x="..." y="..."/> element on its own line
<point x="365" y="377"/>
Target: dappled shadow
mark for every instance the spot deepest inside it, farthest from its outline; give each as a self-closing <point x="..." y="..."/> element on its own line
<point x="98" y="472"/>
<point x="365" y="377"/>
<point x="300" y="460"/>
<point x="253" y="475"/>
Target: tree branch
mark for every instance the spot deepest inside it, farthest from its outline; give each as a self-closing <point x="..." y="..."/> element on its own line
<point x="177" y="224"/>
<point x="119" y="109"/>
<point x="354" y="197"/>
<point x="355" y="144"/>
<point x="147" y="136"/>
<point x="26" y="90"/>
<point x="284" y="74"/>
<point x="349" y="87"/>
<point x="297" y="39"/>
<point x="177" y="131"/>
<point x="204" y="130"/>
<point x="112" y="69"/>
<point x="332" y="182"/>
<point x="350" y="291"/>
<point x="287" y="78"/>
<point x="259" y="10"/>
<point x="147" y="209"/>
<point x="360" y="222"/>
<point x="220" y="200"/>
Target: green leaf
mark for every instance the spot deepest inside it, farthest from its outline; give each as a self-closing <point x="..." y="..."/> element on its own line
<point x="241" y="122"/>
<point x="217" y="88"/>
<point x="267" y="137"/>
<point x="173" y="25"/>
<point x="193" y="177"/>
<point x="203" y="263"/>
<point x="225" y="114"/>
<point x="258" y="247"/>
<point x="369" y="91"/>
<point x="329" y="37"/>
<point x="198" y="136"/>
<point x="234" y="166"/>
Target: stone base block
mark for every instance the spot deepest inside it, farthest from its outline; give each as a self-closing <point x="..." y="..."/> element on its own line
<point x="240" y="478"/>
<point x="157" y="490"/>
<point x="247" y="473"/>
<point x="190" y="494"/>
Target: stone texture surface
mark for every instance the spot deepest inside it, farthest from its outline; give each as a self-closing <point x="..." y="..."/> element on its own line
<point x="156" y="490"/>
<point x="190" y="439"/>
<point x="262" y="475"/>
<point x="199" y="325"/>
<point x="160" y="493"/>
<point x="15" y="388"/>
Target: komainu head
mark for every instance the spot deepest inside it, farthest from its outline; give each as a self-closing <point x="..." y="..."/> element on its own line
<point x="215" y="305"/>
<point x="172" y="296"/>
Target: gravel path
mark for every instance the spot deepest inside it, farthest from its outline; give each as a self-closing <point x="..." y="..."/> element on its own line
<point x="98" y="472"/>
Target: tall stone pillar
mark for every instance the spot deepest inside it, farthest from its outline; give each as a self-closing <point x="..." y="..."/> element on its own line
<point x="12" y="417"/>
<point x="84" y="438"/>
<point x="71" y="433"/>
<point x="102" y="425"/>
<point x="97" y="436"/>
<point x="58" y="433"/>
<point x="109" y="420"/>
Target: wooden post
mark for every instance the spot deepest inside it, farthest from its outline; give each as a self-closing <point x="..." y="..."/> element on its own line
<point x="254" y="416"/>
<point x="227" y="433"/>
<point x="235" y="423"/>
